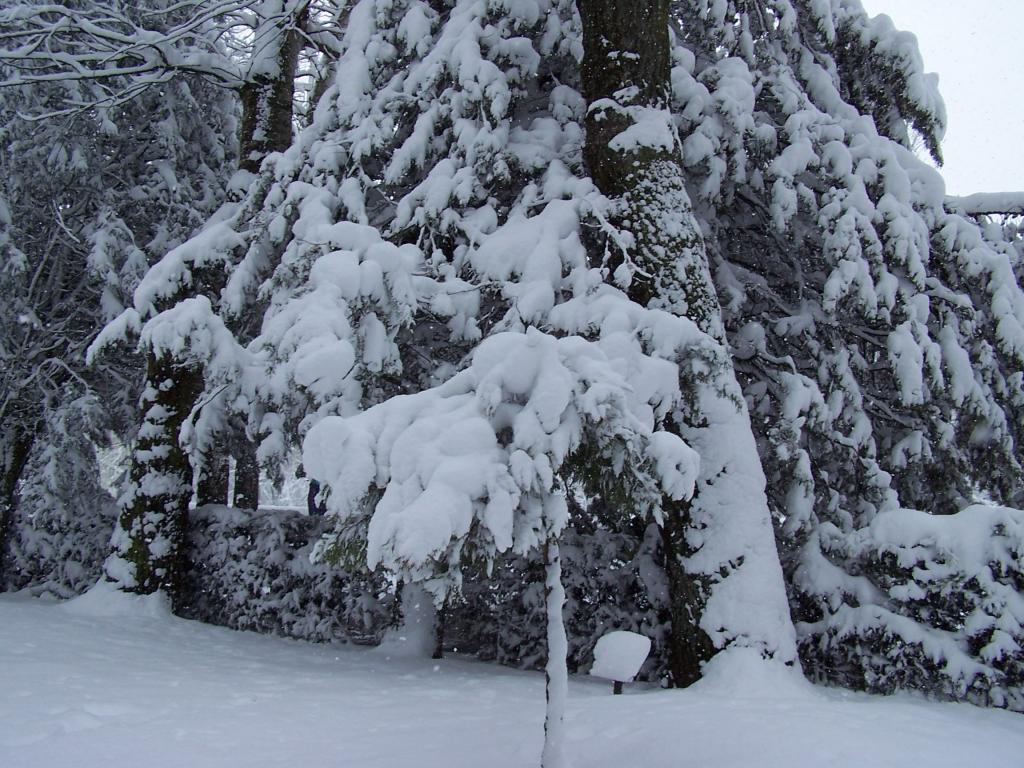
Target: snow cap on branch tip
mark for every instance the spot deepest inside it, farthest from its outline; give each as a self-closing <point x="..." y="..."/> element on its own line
<point x="126" y="325"/>
<point x="191" y="329"/>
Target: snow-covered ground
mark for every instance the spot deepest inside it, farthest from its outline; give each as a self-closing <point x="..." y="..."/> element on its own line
<point x="104" y="681"/>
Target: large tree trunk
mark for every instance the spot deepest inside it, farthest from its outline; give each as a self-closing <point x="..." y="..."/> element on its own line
<point x="625" y="76"/>
<point x="689" y="646"/>
<point x="718" y="546"/>
<point x="148" y="541"/>
<point x="267" y="96"/>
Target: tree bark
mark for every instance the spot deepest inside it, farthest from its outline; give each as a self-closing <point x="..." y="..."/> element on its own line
<point x="267" y="96"/>
<point x="689" y="646"/>
<point x="660" y="257"/>
<point x="625" y="79"/>
<point x="16" y="446"/>
<point x="212" y="487"/>
<point x="442" y="618"/>
<point x="148" y="541"/>
<point x="247" y="477"/>
<point x="625" y="46"/>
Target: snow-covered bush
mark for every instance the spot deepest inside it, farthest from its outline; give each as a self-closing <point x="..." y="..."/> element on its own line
<point x="60" y="531"/>
<point x="935" y="604"/>
<point x="251" y="570"/>
<point x="57" y="550"/>
<point x="613" y="580"/>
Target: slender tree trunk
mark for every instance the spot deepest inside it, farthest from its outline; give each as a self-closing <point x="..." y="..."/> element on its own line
<point x="16" y="446"/>
<point x="267" y="113"/>
<point x="556" y="671"/>
<point x="442" y="618"/>
<point x="625" y="75"/>
<point x="212" y="487"/>
<point x="322" y="84"/>
<point x="247" y="477"/>
<point x="148" y="541"/>
<point x="414" y="623"/>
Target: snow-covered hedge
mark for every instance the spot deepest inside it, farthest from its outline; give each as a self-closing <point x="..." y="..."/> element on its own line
<point x="251" y="571"/>
<point x="935" y="604"/>
<point x="58" y="532"/>
<point x="56" y="551"/>
<point x="612" y="581"/>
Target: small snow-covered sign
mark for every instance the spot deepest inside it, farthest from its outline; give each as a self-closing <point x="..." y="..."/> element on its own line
<point x="619" y="655"/>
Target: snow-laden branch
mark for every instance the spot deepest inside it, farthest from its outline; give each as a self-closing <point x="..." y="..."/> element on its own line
<point x="989" y="204"/>
<point x="472" y="467"/>
<point x="45" y="43"/>
<point x="971" y="643"/>
<point x="105" y="56"/>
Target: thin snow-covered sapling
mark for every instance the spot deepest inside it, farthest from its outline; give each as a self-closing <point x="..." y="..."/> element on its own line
<point x="475" y="466"/>
<point x="618" y="657"/>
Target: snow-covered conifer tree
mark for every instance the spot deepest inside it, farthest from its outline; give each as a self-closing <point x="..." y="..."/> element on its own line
<point x="438" y="178"/>
<point x="170" y="310"/>
<point x="877" y="331"/>
<point x="88" y="199"/>
<point x="420" y="252"/>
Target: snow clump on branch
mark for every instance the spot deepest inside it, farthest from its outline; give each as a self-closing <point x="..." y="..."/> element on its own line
<point x="473" y="466"/>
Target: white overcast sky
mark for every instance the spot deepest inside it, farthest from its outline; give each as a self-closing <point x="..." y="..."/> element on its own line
<point x="977" y="49"/>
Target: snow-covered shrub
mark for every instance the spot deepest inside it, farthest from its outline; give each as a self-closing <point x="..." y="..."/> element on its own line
<point x="251" y="570"/>
<point x="613" y="580"/>
<point x="60" y="531"/>
<point x="935" y="605"/>
<point x="57" y="551"/>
